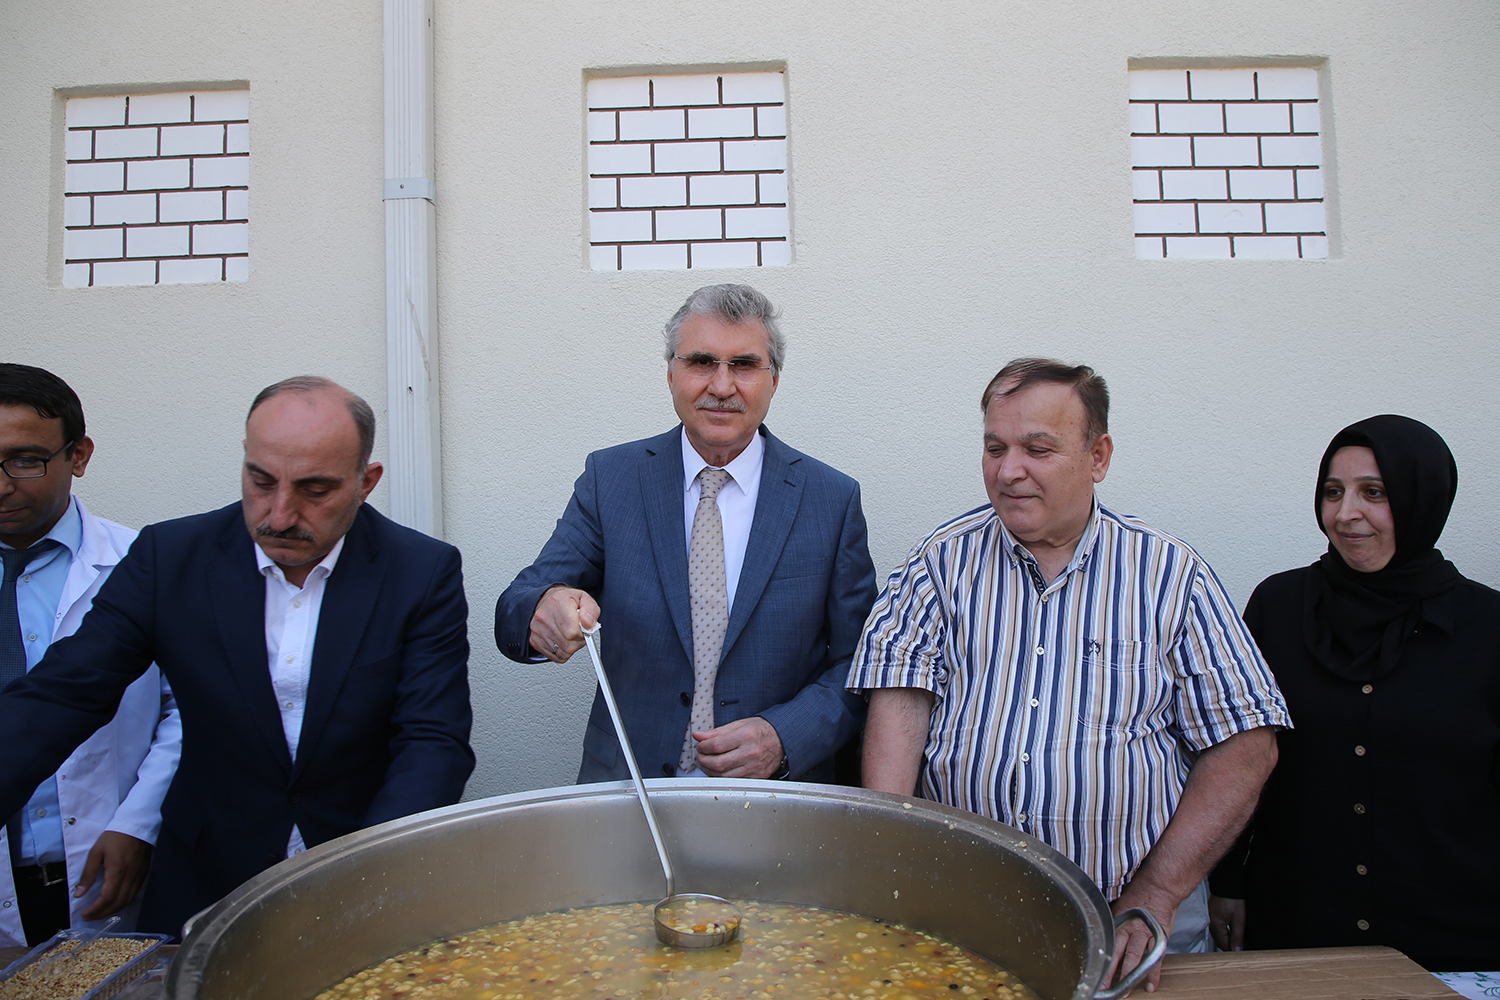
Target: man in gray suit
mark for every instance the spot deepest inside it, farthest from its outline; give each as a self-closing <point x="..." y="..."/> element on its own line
<point x="731" y="572"/>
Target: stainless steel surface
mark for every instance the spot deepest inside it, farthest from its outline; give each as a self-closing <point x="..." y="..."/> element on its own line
<point x="665" y="932"/>
<point x="1158" y="949"/>
<point x="312" y="920"/>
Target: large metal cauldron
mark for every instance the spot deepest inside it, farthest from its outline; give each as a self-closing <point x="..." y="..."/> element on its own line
<point x="311" y="921"/>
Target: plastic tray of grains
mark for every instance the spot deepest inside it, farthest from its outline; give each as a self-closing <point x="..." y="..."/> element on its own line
<point x="99" y="972"/>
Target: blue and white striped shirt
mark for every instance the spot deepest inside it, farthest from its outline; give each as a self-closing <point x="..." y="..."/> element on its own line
<point x="1074" y="709"/>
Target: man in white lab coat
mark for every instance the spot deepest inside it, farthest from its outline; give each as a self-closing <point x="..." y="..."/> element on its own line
<point x="80" y="850"/>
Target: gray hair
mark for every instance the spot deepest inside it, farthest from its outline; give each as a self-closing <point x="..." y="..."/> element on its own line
<point x="359" y="410"/>
<point x="732" y="304"/>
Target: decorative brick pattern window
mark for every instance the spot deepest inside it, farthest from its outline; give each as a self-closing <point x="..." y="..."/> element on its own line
<point x="157" y="189"/>
<point x="1227" y="163"/>
<point x="688" y="171"/>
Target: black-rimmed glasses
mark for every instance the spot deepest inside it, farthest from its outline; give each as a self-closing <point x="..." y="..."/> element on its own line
<point x="30" y="466"/>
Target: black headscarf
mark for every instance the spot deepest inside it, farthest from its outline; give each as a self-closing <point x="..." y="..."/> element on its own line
<point x="1355" y="624"/>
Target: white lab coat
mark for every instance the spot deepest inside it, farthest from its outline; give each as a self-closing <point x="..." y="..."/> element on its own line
<point x="117" y="778"/>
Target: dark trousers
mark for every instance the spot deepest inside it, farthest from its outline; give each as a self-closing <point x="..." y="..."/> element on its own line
<point x="42" y="897"/>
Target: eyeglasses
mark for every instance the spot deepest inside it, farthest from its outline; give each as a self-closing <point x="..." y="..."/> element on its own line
<point x="29" y="466"/>
<point x="707" y="366"/>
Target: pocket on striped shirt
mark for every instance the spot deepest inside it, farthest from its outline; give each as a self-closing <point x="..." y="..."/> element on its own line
<point x="1121" y="687"/>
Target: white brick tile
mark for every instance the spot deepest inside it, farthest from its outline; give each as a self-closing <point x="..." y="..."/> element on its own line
<point x="743" y="222"/>
<point x="125" y="272"/>
<point x="1148" y="247"/>
<point x="722" y="189"/>
<point x="221" y="171"/>
<point x="773" y="189"/>
<point x="200" y="269"/>
<point x="1281" y="83"/>
<point x="237" y="138"/>
<point x="619" y="159"/>
<point x="93" y="177"/>
<point x="651" y="124"/>
<point x="154" y="109"/>
<point x="619" y="92"/>
<point x="689" y="224"/>
<point x="1178" y="184"/>
<point x="1306" y="118"/>
<point x="1291" y="150"/>
<point x="1265" y="247"/>
<point x="1309" y="184"/>
<point x="144" y="174"/>
<point x="236" y="268"/>
<point x="1260" y="184"/>
<point x="1158" y="85"/>
<point x="1221" y="85"/>
<point x="1297" y="217"/>
<point x="604" y="258"/>
<point x="1145" y="185"/>
<point x="85" y="244"/>
<point x="78" y="212"/>
<point x="156" y="241"/>
<point x="221" y="106"/>
<point x="1229" y="217"/>
<point x="86" y="112"/>
<point x="111" y="210"/>
<point x="602" y="193"/>
<point x="775" y="253"/>
<point x="118" y="143"/>
<point x="192" y="139"/>
<point x="770" y="122"/>
<point x="654" y="257"/>
<point x="75" y="275"/>
<point x="236" y="204"/>
<point x="754" y="88"/>
<point x="652" y="192"/>
<point x="231" y="237"/>
<point x="755" y="154"/>
<point x="714" y="123"/>
<point x="687" y="157"/>
<point x="1198" y="247"/>
<point x="79" y="145"/>
<point x="1226" y="151"/>
<point x="1150" y="151"/>
<point x="1257" y="118"/>
<point x="602" y="126"/>
<point x="193" y="206"/>
<point x="699" y="88"/>
<point x="1164" y="219"/>
<point x="724" y="255"/>
<point x="1177" y="118"/>
<point x="618" y="227"/>
<point x="1314" y="247"/>
<point x="1143" y="118"/>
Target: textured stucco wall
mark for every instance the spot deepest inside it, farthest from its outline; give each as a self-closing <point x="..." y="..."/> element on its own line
<point x="960" y="196"/>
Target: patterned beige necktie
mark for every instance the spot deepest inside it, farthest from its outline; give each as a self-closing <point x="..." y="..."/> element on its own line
<point x="708" y="596"/>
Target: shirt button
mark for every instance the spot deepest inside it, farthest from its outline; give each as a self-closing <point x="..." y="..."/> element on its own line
<point x="1020" y="817"/>
<point x="1359" y="751"/>
<point x="31" y="637"/>
<point x="1044" y="598"/>
<point x="289" y="659"/>
<point x="287" y="706"/>
<point x="1363" y="925"/>
<point x="26" y="578"/>
<point x="1040" y="651"/>
<point x="1026" y="758"/>
<point x="40" y="813"/>
<point x="1359" y="807"/>
<point x="296" y="604"/>
<point x="72" y="820"/>
<point x="1361" y="869"/>
<point x="1034" y="703"/>
<point x="1367" y="689"/>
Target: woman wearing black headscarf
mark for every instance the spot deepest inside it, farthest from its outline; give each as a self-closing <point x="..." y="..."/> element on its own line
<point x="1381" y="823"/>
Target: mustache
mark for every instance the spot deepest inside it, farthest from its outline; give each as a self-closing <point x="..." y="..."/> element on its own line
<point x="708" y="401"/>
<point x="286" y="534"/>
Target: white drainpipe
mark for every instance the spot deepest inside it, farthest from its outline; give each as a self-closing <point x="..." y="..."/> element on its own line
<point x="413" y="440"/>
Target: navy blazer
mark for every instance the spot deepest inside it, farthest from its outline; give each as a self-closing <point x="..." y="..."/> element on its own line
<point x="386" y="727"/>
<point x="804" y="591"/>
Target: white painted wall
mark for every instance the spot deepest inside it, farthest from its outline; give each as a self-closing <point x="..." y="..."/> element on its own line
<point x="960" y="196"/>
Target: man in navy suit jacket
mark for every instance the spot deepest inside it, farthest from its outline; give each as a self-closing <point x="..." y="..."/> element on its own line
<point x="278" y="752"/>
<point x="796" y="564"/>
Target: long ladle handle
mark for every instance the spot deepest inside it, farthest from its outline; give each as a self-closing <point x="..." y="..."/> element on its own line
<point x="590" y="639"/>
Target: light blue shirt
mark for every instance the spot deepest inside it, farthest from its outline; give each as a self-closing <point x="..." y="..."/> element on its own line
<point x="38" y="591"/>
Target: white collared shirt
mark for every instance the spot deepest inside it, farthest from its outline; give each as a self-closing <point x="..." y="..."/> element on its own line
<point x="291" y="633"/>
<point x="736" y="501"/>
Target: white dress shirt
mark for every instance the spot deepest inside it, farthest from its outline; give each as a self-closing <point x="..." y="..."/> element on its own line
<point x="291" y="632"/>
<point x="736" y="502"/>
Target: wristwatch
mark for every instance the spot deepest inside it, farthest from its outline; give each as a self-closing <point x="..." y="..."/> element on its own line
<point x="784" y="770"/>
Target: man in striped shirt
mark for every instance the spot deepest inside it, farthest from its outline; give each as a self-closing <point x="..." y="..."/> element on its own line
<point x="1071" y="671"/>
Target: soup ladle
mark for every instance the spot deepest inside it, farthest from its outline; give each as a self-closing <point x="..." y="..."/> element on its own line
<point x="676" y="910"/>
